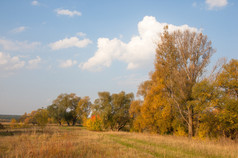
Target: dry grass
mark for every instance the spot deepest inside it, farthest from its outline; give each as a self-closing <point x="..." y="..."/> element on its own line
<point x="79" y="142"/>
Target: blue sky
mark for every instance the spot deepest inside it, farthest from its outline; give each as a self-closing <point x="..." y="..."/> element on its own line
<point x="85" y="46"/>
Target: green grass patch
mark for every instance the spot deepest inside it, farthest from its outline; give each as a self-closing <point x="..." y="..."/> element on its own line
<point x="171" y="151"/>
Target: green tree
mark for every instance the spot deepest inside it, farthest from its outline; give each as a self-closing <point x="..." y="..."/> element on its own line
<point x="41" y="117"/>
<point x="120" y="109"/>
<point x="56" y="112"/>
<point x="113" y="109"/>
<point x="102" y="107"/>
<point x="83" y="108"/>
<point x="66" y="105"/>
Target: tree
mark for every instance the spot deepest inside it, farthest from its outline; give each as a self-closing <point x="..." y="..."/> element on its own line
<point x="228" y="78"/>
<point x="137" y="122"/>
<point x="113" y="109"/>
<point x="83" y="108"/>
<point x="181" y="59"/>
<point x="156" y="110"/>
<point x="41" y="117"/>
<point x="144" y="88"/>
<point x="66" y="105"/>
<point x="120" y="109"/>
<point x="102" y="107"/>
<point x="206" y="101"/>
<point x="56" y="112"/>
<point x="227" y="81"/>
<point x="31" y="118"/>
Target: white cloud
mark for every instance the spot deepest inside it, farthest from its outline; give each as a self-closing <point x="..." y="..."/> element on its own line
<point x="10" y="63"/>
<point x="139" y="51"/>
<point x="35" y="3"/>
<point x="216" y="3"/>
<point x="33" y="63"/>
<point x="68" y="12"/>
<point x="19" y="29"/>
<point x="9" y="45"/>
<point x="67" y="63"/>
<point x="70" y="42"/>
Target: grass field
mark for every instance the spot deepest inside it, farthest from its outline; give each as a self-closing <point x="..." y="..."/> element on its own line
<point x="63" y="142"/>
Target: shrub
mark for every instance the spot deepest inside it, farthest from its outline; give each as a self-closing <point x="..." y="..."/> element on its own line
<point x="13" y="123"/>
<point x="94" y="123"/>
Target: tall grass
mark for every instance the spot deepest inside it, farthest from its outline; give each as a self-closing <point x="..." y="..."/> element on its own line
<point x="78" y="142"/>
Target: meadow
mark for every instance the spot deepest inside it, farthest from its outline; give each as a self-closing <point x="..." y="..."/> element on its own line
<point x="64" y="141"/>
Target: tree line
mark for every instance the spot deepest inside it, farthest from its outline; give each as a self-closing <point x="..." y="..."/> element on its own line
<point x="181" y="97"/>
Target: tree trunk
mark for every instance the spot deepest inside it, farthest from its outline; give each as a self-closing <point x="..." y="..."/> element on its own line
<point x="68" y="123"/>
<point x="74" y="122"/>
<point x="190" y="122"/>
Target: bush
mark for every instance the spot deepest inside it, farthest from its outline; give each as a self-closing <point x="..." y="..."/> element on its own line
<point x="94" y="123"/>
<point x="13" y="123"/>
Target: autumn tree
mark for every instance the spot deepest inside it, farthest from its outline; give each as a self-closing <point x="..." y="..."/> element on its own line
<point x="181" y="59"/>
<point x="156" y="110"/>
<point x="227" y="81"/>
<point x="30" y="118"/>
<point x="144" y="88"/>
<point x="137" y="122"/>
<point x="228" y="78"/>
<point x="206" y="102"/>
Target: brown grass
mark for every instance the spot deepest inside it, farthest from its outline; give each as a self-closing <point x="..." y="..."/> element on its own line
<point x="66" y="142"/>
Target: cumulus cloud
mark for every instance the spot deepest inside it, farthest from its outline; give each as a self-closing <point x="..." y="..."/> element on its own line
<point x="70" y="42"/>
<point x="10" y="63"/>
<point x="19" y="29"/>
<point x="216" y="3"/>
<point x="67" y="63"/>
<point x="9" y="45"/>
<point x="68" y="12"/>
<point x="33" y="63"/>
<point x="35" y="3"/>
<point x="139" y="51"/>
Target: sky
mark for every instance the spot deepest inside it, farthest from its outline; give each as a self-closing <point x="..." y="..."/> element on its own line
<point x="89" y="46"/>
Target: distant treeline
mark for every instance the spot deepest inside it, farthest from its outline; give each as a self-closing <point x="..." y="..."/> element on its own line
<point x="7" y="118"/>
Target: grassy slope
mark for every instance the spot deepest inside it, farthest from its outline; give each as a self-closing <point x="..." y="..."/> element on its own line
<point x="79" y="142"/>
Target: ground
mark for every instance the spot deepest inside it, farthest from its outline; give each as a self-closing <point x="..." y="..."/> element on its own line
<point x="63" y="141"/>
